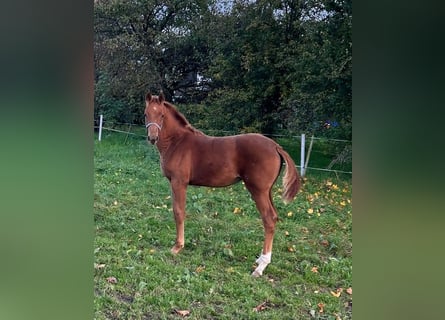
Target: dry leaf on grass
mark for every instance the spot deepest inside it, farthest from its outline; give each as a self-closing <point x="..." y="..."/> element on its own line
<point x="324" y="243"/>
<point x="260" y="307"/>
<point x="337" y="293"/>
<point x="111" y="280"/>
<point x="182" y="313"/>
<point x="200" y="269"/>
<point x="321" y="306"/>
<point x="349" y="291"/>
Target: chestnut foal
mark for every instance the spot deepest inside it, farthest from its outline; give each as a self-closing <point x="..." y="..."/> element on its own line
<point x="189" y="157"/>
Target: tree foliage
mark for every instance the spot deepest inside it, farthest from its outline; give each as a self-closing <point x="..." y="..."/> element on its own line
<point x="238" y="65"/>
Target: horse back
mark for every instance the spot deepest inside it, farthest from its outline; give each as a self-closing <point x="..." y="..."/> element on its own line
<point x="222" y="161"/>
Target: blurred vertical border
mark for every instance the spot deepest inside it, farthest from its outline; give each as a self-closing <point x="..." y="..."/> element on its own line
<point x="46" y="162"/>
<point x="398" y="176"/>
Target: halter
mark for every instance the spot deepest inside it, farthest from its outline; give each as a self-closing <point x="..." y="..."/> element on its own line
<point x="148" y="125"/>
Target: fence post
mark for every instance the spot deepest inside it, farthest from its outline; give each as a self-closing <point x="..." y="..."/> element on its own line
<point x="100" y="126"/>
<point x="302" y="169"/>
<point x="309" y="153"/>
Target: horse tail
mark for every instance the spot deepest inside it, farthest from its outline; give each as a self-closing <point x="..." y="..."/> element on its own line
<point x="291" y="179"/>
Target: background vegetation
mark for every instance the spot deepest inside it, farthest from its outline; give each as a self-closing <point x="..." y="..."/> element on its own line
<point x="240" y="65"/>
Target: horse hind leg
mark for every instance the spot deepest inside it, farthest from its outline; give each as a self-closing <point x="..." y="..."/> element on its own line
<point x="269" y="217"/>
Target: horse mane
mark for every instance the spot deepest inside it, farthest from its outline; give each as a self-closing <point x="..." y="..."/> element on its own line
<point x="179" y="117"/>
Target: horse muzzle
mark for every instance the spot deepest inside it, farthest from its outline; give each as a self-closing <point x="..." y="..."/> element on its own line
<point x="153" y="132"/>
<point x="154" y="139"/>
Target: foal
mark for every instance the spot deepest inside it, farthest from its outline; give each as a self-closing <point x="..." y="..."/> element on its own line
<point x="189" y="157"/>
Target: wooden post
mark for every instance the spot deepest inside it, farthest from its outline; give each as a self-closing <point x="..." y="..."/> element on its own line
<point x="100" y="126"/>
<point x="128" y="132"/>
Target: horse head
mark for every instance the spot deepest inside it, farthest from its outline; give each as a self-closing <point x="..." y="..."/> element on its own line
<point x="154" y="116"/>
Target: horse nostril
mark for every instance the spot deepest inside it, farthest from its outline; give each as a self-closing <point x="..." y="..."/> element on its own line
<point x="153" y="140"/>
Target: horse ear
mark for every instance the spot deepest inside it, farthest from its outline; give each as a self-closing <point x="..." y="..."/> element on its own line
<point x="161" y="97"/>
<point x="148" y="97"/>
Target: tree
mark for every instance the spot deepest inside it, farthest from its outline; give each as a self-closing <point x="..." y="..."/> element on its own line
<point x="321" y="78"/>
<point x="238" y="65"/>
<point x="136" y="49"/>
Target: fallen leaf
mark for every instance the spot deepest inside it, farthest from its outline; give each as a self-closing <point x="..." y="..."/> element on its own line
<point x="289" y="214"/>
<point x="290" y="249"/>
<point x="314" y="269"/>
<point x="342" y="203"/>
<point x="99" y="266"/>
<point x="321" y="306"/>
<point x="349" y="291"/>
<point x="310" y="210"/>
<point x="286" y="233"/>
<point x="312" y="313"/>
<point x="260" y="307"/>
<point x="182" y="313"/>
<point x="111" y="280"/>
<point x="324" y="243"/>
<point x="337" y="293"/>
<point x="200" y="269"/>
<point x="236" y="210"/>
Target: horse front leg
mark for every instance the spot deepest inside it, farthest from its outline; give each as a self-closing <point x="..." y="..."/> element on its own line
<point x="178" y="203"/>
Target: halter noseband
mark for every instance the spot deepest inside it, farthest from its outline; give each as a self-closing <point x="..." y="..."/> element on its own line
<point x="148" y="125"/>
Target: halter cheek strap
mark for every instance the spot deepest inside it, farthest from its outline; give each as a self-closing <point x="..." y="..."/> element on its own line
<point x="153" y="124"/>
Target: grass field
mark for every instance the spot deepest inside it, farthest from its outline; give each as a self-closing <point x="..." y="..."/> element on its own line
<point x="136" y="276"/>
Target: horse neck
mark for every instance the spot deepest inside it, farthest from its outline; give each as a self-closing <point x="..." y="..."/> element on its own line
<point x="171" y="133"/>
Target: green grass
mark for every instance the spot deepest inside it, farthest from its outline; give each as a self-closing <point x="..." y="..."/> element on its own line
<point x="134" y="231"/>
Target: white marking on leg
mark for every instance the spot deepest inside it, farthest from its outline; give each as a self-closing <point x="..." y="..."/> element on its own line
<point x="262" y="261"/>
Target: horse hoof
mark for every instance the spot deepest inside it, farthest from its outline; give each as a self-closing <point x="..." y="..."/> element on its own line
<point x="175" y="250"/>
<point x="256" y="274"/>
